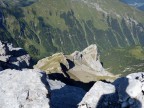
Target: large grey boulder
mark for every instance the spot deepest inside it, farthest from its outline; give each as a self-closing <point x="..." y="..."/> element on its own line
<point x="125" y="92"/>
<point x="92" y="98"/>
<point x="13" y="58"/>
<point x="136" y="88"/>
<point x="32" y="89"/>
<point x="23" y="89"/>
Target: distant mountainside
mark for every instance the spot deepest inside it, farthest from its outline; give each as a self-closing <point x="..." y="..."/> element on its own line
<point x="18" y="3"/>
<point x="141" y="7"/>
<point x="136" y="3"/>
<point x="45" y="27"/>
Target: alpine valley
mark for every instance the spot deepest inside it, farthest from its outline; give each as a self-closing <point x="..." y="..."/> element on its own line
<point x="45" y="27"/>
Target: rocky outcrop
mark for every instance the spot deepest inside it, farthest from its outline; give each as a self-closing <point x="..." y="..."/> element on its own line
<point x="52" y="64"/>
<point x="13" y="58"/>
<point x="92" y="98"/>
<point x="68" y="79"/>
<point x="82" y="66"/>
<point x="33" y="89"/>
<point x="23" y="89"/>
<point x="125" y="92"/>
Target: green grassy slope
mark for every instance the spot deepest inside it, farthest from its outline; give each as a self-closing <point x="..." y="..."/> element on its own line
<point x="49" y="26"/>
<point x="124" y="60"/>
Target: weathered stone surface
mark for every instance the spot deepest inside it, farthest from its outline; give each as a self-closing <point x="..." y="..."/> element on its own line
<point x="52" y="64"/>
<point x="82" y="66"/>
<point x="14" y="58"/>
<point x="91" y="99"/>
<point x="135" y="90"/>
<point x="128" y="93"/>
<point x="3" y="49"/>
<point x="23" y="89"/>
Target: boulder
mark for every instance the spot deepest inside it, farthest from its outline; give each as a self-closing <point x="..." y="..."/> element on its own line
<point x="92" y="98"/>
<point x="13" y="58"/>
<point x="3" y="49"/>
<point x="84" y="66"/>
<point x="125" y="92"/>
<point x="23" y="89"/>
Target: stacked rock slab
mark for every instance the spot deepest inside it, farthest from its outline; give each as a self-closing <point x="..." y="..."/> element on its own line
<point x="125" y="92"/>
<point x="23" y="89"/>
<point x="13" y="58"/>
<point x="84" y="66"/>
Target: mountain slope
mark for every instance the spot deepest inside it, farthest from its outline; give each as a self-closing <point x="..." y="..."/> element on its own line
<point x="136" y="3"/>
<point x="49" y="26"/>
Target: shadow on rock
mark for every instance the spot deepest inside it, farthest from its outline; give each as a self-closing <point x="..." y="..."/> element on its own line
<point x="119" y="99"/>
<point x="66" y="97"/>
<point x="18" y="52"/>
<point x="71" y="63"/>
<point x="68" y="93"/>
<point x="64" y="69"/>
<point x="44" y="80"/>
<point x="71" y="82"/>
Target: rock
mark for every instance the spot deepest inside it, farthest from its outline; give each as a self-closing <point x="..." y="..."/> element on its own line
<point x="55" y="84"/>
<point x="134" y="88"/>
<point x="23" y="89"/>
<point x="91" y="99"/>
<point x="3" y="49"/>
<point x="14" y="58"/>
<point x="125" y="92"/>
<point x="4" y="58"/>
<point x="64" y="96"/>
<point x="81" y="66"/>
<point x="121" y="85"/>
<point x="52" y="64"/>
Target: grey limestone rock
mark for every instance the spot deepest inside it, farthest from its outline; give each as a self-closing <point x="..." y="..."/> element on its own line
<point x="125" y="92"/>
<point x="15" y="58"/>
<point x="91" y="99"/>
<point x="22" y="89"/>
